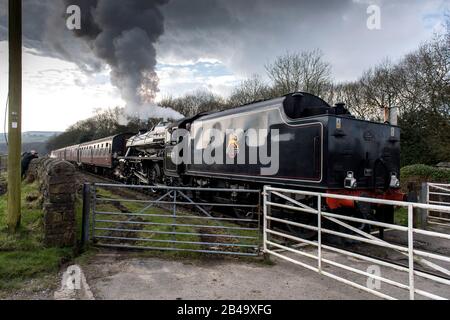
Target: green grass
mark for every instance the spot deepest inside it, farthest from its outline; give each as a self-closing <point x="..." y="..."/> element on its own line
<point x="401" y="216"/>
<point x="23" y="255"/>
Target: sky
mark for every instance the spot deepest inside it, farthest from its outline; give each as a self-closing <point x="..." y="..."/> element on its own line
<point x="190" y="45"/>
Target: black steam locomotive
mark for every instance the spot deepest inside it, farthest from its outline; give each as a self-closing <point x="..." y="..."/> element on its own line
<point x="296" y="141"/>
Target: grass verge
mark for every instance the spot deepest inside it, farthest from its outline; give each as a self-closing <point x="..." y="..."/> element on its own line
<point x="23" y="256"/>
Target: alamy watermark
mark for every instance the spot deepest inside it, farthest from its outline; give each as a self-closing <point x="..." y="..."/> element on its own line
<point x="374" y="19"/>
<point x="212" y="146"/>
<point x="73" y="21"/>
<point x="372" y="282"/>
<point x="71" y="279"/>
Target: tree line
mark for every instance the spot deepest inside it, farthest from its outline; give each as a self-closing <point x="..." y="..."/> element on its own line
<point x="418" y="85"/>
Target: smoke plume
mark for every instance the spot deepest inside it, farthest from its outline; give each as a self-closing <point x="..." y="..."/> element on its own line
<point x="123" y="34"/>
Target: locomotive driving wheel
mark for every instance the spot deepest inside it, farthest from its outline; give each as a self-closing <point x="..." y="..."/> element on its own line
<point x="306" y="219"/>
<point x="301" y="217"/>
<point x="244" y="213"/>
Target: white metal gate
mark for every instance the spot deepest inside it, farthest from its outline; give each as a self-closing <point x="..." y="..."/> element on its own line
<point x="280" y="243"/>
<point x="438" y="194"/>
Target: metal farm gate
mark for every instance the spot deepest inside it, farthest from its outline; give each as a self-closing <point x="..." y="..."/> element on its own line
<point x="172" y="219"/>
<point x="322" y="251"/>
<point x="438" y="194"/>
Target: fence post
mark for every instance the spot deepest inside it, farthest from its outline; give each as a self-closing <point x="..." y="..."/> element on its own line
<point x="411" y="252"/>
<point x="264" y="220"/>
<point x="174" y="236"/>
<point x="319" y="232"/>
<point x="424" y="197"/>
<point x="86" y="214"/>
<point x="265" y="212"/>
<point x="94" y="209"/>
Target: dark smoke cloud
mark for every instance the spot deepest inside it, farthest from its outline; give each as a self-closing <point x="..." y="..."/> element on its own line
<point x="123" y="35"/>
<point x="114" y="33"/>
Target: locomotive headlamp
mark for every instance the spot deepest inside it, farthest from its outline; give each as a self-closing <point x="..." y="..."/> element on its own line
<point x="350" y="181"/>
<point x="395" y="182"/>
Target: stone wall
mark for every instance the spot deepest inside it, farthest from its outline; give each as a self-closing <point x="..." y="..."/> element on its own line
<point x="58" y="184"/>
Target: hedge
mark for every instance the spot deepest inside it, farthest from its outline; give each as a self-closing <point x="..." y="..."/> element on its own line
<point x="426" y="173"/>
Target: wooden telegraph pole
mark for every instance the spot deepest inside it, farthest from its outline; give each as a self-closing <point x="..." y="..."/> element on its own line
<point x="15" y="114"/>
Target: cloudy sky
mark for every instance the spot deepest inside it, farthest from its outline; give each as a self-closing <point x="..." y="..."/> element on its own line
<point x="192" y="44"/>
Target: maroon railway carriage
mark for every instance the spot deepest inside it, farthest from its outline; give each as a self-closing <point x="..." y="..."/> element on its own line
<point x="71" y="154"/>
<point x="59" y="154"/>
<point x="104" y="152"/>
<point x="100" y="153"/>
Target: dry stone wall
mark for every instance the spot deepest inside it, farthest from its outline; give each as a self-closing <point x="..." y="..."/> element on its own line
<point x="58" y="184"/>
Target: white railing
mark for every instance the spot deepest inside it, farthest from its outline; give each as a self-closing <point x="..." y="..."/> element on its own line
<point x="413" y="255"/>
<point x="438" y="194"/>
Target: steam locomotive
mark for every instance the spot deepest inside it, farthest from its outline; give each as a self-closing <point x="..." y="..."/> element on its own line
<point x="318" y="147"/>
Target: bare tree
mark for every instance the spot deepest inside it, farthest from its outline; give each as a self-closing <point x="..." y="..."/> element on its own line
<point x="305" y="71"/>
<point x="194" y="103"/>
<point x="250" y="90"/>
<point x="423" y="77"/>
<point x="351" y="94"/>
<point x="378" y="90"/>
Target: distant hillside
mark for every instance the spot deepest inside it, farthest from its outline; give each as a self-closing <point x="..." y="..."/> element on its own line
<point x="31" y="140"/>
<point x="33" y="136"/>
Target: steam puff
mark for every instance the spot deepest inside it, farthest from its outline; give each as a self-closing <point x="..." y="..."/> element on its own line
<point x="153" y="111"/>
<point x="149" y="111"/>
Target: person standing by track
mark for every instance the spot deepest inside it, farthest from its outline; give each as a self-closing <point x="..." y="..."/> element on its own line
<point x="26" y="159"/>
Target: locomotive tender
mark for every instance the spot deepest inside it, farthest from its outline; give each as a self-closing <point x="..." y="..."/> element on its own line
<point x="319" y="147"/>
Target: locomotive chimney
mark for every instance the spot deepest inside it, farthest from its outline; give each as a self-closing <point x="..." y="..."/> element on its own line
<point x="391" y="115"/>
<point x="339" y="108"/>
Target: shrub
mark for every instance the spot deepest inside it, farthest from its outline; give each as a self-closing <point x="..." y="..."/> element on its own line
<point x="426" y="173"/>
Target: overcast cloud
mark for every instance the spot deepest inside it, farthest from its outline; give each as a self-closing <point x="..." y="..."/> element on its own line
<point x="245" y="35"/>
<point x="215" y="43"/>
